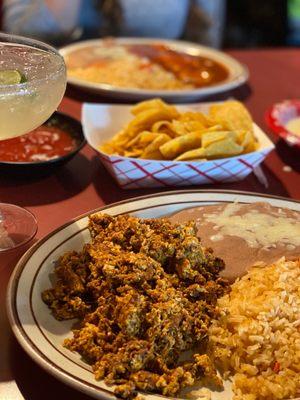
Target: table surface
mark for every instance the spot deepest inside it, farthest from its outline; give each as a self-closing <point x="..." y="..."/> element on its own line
<point x="83" y="184"/>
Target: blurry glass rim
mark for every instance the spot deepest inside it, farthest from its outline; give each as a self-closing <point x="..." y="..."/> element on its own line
<point x="23" y="211"/>
<point x="16" y="39"/>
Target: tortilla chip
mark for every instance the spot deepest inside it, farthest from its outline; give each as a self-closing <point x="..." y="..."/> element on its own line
<point x="181" y="144"/>
<point x="195" y="154"/>
<point x="151" y="104"/>
<point x="232" y="115"/>
<point x="152" y="152"/>
<point x="212" y="137"/>
<point x="223" y="148"/>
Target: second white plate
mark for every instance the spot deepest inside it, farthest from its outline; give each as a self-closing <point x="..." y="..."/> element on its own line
<point x="238" y="73"/>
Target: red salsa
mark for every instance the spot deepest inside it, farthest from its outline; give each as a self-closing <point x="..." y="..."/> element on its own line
<point x="42" y="144"/>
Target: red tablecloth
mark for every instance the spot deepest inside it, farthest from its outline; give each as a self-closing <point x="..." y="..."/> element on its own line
<point x="83" y="184"/>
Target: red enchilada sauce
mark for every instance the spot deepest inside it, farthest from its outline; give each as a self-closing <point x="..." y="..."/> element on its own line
<point x="42" y="144"/>
<point x="196" y="70"/>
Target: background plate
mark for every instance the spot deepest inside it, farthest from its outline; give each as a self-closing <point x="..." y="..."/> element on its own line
<point x="33" y="325"/>
<point x="238" y="73"/>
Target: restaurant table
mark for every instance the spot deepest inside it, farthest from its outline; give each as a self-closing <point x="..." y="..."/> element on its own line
<point x="83" y="184"/>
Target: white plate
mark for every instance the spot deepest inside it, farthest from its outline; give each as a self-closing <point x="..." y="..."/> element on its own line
<point x="101" y="121"/>
<point x="238" y="73"/>
<point x="33" y="325"/>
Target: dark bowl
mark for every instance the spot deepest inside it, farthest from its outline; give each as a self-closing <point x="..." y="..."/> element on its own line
<point x="62" y="121"/>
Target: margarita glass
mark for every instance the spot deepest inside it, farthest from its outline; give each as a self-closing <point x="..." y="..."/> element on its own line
<point x="32" y="84"/>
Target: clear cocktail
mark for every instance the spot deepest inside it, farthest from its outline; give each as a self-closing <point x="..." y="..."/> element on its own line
<point x="32" y="84"/>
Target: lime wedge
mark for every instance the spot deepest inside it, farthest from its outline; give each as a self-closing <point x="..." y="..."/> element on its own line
<point x="11" y="77"/>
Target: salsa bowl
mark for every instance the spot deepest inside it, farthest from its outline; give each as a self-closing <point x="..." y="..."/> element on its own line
<point x="70" y="127"/>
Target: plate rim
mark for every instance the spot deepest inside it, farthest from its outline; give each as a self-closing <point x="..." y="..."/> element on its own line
<point x="23" y="338"/>
<point x="217" y="54"/>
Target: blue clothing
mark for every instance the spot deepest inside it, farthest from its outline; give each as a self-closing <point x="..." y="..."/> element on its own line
<point x="146" y="18"/>
<point x="28" y="17"/>
<point x="89" y="19"/>
<point x="156" y="18"/>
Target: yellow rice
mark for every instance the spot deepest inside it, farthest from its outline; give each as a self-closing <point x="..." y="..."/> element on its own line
<point x="257" y="337"/>
<point x="128" y="72"/>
